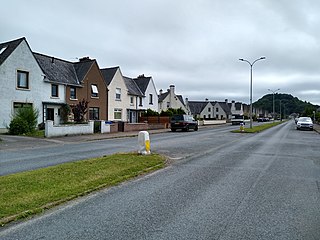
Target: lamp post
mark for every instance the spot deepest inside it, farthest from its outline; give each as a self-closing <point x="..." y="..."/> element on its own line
<point x="251" y="65"/>
<point x="273" y="92"/>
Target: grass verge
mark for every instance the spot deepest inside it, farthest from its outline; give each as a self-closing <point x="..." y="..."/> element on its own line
<point x="27" y="193"/>
<point x="259" y="128"/>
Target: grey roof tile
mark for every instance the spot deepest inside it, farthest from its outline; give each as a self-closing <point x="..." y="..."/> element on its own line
<point x="142" y="82"/>
<point x="8" y="47"/>
<point x="133" y="88"/>
<point x="108" y="74"/>
<point x="57" y="70"/>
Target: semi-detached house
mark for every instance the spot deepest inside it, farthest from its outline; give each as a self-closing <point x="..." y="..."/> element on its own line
<point x="23" y="83"/>
<point x="81" y="80"/>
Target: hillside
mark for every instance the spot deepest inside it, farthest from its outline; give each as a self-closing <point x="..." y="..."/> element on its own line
<point x="289" y="104"/>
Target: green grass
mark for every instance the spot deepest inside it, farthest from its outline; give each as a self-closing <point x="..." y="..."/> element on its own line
<point x="28" y="193"/>
<point x="256" y="129"/>
<point x="38" y="133"/>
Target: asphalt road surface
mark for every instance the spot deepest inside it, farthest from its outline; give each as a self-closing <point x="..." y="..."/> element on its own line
<point x="221" y="186"/>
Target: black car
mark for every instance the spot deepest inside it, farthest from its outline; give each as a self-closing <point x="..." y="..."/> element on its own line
<point x="183" y="122"/>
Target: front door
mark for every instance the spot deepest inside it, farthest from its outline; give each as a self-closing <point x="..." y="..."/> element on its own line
<point x="50" y="114"/>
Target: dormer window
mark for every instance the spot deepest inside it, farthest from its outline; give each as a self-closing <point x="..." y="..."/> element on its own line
<point x="2" y="50"/>
<point x="94" y="90"/>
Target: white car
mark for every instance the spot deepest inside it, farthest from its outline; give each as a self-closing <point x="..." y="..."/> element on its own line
<point x="305" y="123"/>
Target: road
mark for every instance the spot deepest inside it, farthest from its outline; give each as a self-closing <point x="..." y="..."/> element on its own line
<point x="221" y="186"/>
<point x="39" y="153"/>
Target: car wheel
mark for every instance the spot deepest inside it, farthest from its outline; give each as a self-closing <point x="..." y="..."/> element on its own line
<point x="173" y="130"/>
<point x="196" y="128"/>
<point x="187" y="129"/>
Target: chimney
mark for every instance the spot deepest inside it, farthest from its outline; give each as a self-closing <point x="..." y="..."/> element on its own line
<point x="160" y="92"/>
<point x="226" y="101"/>
<point x="207" y="100"/>
<point x="172" y="89"/>
<point x="84" y="59"/>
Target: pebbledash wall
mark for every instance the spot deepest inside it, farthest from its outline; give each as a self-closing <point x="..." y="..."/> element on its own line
<point x="77" y="129"/>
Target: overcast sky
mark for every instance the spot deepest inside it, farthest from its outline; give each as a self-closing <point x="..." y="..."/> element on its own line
<point x="193" y="44"/>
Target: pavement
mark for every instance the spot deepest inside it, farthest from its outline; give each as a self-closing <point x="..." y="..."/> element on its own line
<point x="11" y="142"/>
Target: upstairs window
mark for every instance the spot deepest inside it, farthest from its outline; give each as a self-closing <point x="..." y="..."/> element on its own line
<point x="131" y="100"/>
<point x="150" y="99"/>
<point x="22" y="79"/>
<point x="94" y="90"/>
<point x="73" y="93"/>
<point x="118" y="93"/>
<point x="140" y="102"/>
<point x="54" y="90"/>
<point x="217" y="109"/>
<point x="209" y="109"/>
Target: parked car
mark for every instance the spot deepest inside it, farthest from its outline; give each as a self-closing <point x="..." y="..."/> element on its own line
<point x="183" y="122"/>
<point x="296" y="120"/>
<point x="263" y="119"/>
<point x="237" y="119"/>
<point x="305" y="123"/>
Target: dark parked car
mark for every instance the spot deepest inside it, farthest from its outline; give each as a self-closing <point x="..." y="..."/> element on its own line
<point x="183" y="122"/>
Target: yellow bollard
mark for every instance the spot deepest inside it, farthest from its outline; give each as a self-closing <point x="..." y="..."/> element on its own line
<point x="241" y="127"/>
<point x="144" y="143"/>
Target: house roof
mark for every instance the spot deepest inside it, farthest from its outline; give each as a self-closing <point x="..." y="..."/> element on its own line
<point x="57" y="70"/>
<point x="142" y="82"/>
<point x="132" y="87"/>
<point x="225" y="107"/>
<point x="8" y="47"/>
<point x="83" y="67"/>
<point x="163" y="96"/>
<point x="108" y="74"/>
<point x="196" y="107"/>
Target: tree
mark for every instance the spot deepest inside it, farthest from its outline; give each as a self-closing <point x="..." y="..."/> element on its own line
<point x="79" y="111"/>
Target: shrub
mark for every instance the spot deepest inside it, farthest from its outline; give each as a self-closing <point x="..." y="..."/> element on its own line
<point x="18" y="126"/>
<point x="24" y="121"/>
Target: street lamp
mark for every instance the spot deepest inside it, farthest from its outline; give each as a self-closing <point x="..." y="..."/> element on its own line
<point x="251" y="65"/>
<point x="273" y="92"/>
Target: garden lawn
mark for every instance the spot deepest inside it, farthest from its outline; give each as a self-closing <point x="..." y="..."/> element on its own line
<point x="27" y="193"/>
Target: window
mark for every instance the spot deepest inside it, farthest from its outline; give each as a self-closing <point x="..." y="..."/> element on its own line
<point x="94" y="90"/>
<point x="118" y="93"/>
<point x="54" y="90"/>
<point x="140" y="101"/>
<point x="118" y="113"/>
<point x="73" y="93"/>
<point x="217" y="109"/>
<point x="94" y="113"/>
<point x="23" y="79"/>
<point x="168" y="104"/>
<point x="18" y="105"/>
<point x="131" y="100"/>
<point x="209" y="109"/>
<point x="2" y="49"/>
<point x="150" y="99"/>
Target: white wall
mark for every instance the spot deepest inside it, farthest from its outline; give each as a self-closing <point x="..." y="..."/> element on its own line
<point x="64" y="130"/>
<point x="124" y="103"/>
<point x="20" y="59"/>
<point x="151" y="89"/>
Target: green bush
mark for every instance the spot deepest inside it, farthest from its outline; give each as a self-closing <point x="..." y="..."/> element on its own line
<point x="18" y="126"/>
<point x="24" y="121"/>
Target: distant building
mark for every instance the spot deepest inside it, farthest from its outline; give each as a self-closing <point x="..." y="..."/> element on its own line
<point x="169" y="99"/>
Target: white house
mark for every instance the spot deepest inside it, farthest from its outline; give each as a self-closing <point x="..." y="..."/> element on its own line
<point x="118" y="98"/>
<point x="22" y="83"/>
<point x="149" y="91"/>
<point x="135" y="105"/>
<point x="170" y="100"/>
